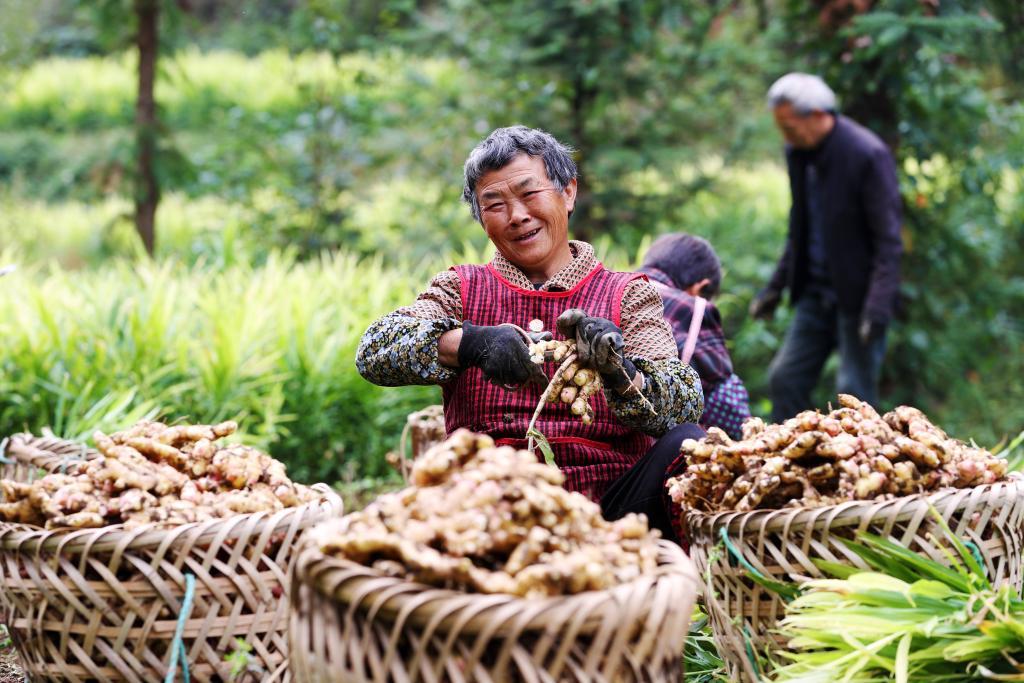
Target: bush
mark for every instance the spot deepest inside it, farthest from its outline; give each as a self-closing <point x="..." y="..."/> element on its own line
<point x="271" y="346"/>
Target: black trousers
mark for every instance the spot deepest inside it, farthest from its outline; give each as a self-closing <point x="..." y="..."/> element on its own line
<point x="642" y="487"/>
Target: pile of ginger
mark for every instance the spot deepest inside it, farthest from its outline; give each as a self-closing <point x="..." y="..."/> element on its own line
<point x="815" y="459"/>
<point x="155" y="473"/>
<point x="572" y="384"/>
<point x="491" y="520"/>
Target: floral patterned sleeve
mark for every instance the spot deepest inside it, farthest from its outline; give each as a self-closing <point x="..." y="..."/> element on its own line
<point x="400" y="349"/>
<point x="673" y="396"/>
<point x="672" y="390"/>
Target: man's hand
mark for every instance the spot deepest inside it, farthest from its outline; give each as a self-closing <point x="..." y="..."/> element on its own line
<point x="869" y="329"/>
<point x="599" y="344"/>
<point x="500" y="352"/>
<point x="763" y="306"/>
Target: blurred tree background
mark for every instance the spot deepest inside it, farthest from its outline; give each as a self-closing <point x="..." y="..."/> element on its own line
<point x="306" y="155"/>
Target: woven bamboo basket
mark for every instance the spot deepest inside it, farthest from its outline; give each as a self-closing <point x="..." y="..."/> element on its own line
<point x="782" y="544"/>
<point x="108" y="604"/>
<point x="24" y="457"/>
<point x="349" y="623"/>
<point x="423" y="429"/>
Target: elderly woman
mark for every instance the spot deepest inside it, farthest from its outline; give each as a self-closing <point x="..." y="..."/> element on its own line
<point x="521" y="186"/>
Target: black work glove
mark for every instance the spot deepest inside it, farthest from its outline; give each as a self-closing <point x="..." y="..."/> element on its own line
<point x="764" y="304"/>
<point x="869" y="329"/>
<point x="599" y="345"/>
<point x="500" y="352"/>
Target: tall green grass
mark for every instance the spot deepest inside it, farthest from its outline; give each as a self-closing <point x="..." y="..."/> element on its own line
<point x="85" y="234"/>
<point x="222" y="232"/>
<point x="196" y="87"/>
<point x="271" y="346"/>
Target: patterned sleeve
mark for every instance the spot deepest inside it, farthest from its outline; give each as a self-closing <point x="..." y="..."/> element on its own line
<point x="399" y="349"/>
<point x="402" y="347"/>
<point x="672" y="395"/>
<point x="441" y="299"/>
<point x="644" y="329"/>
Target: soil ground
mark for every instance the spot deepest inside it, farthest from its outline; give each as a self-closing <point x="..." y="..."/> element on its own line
<point x="9" y="670"/>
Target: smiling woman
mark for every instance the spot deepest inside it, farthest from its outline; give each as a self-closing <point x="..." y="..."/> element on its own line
<point x="460" y="333"/>
<point x="527" y="218"/>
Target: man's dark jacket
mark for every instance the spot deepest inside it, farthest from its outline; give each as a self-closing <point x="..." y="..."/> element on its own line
<point x="861" y="215"/>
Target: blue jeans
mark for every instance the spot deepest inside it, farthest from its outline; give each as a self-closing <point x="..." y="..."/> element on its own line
<point x="818" y="328"/>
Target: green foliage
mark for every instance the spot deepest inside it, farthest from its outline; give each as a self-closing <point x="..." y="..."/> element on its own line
<point x="701" y="660"/>
<point x="270" y="346"/>
<point x="900" y="69"/>
<point x="631" y="85"/>
<point x="243" y="665"/>
<point x="341" y="26"/>
<point x="219" y="233"/>
<point x="312" y="146"/>
<point x="910" y="617"/>
<point x="1013" y="452"/>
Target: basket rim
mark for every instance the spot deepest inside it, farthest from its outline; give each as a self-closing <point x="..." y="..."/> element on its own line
<point x="341" y="580"/>
<point x="847" y="513"/>
<point x="16" y="443"/>
<point x="26" y="538"/>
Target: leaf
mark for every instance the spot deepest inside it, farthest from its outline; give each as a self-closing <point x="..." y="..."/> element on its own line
<point x="836" y="569"/>
<point x="931" y="589"/>
<point x="977" y="572"/>
<point x="903" y="660"/>
<point x="891" y="34"/>
<point x="786" y="591"/>
<point x="545" y="447"/>
<point x="895" y="560"/>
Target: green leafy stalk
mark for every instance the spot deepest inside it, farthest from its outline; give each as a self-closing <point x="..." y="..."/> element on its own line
<point x="542" y="443"/>
<point x="701" y="660"/>
<point x="909" y="618"/>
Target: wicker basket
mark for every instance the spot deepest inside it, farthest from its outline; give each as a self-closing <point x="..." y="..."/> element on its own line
<point x="349" y="623"/>
<point x="423" y="429"/>
<point x="105" y="604"/>
<point x="24" y="457"/>
<point x="781" y="544"/>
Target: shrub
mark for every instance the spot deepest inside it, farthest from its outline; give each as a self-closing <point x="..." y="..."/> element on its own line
<point x="271" y="346"/>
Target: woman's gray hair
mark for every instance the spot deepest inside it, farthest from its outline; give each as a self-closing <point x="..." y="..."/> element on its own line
<point x="806" y="92"/>
<point x="502" y="145"/>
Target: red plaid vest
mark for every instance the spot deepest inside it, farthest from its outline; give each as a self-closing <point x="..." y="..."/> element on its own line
<point x="591" y="456"/>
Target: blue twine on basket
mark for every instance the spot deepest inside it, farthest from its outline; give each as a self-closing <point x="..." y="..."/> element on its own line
<point x="3" y="453"/>
<point x="177" y="645"/>
<point x="977" y="553"/>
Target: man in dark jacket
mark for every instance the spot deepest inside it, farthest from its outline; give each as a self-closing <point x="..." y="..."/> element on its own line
<point x="841" y="262"/>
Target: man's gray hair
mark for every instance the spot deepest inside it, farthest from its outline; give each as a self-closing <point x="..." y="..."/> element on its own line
<point x="806" y="92"/>
<point x="502" y="145"/>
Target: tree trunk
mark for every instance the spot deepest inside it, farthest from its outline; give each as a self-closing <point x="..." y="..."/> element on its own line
<point x="147" y="190"/>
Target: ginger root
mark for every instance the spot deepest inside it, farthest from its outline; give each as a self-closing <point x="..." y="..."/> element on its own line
<point x="851" y="453"/>
<point x="492" y="520"/>
<point x="154" y="473"/>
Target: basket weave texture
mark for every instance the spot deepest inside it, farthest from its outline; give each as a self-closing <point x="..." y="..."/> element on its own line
<point x="423" y="430"/>
<point x="25" y="455"/>
<point x="350" y="623"/>
<point x="104" y="604"/>
<point x="782" y="544"/>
